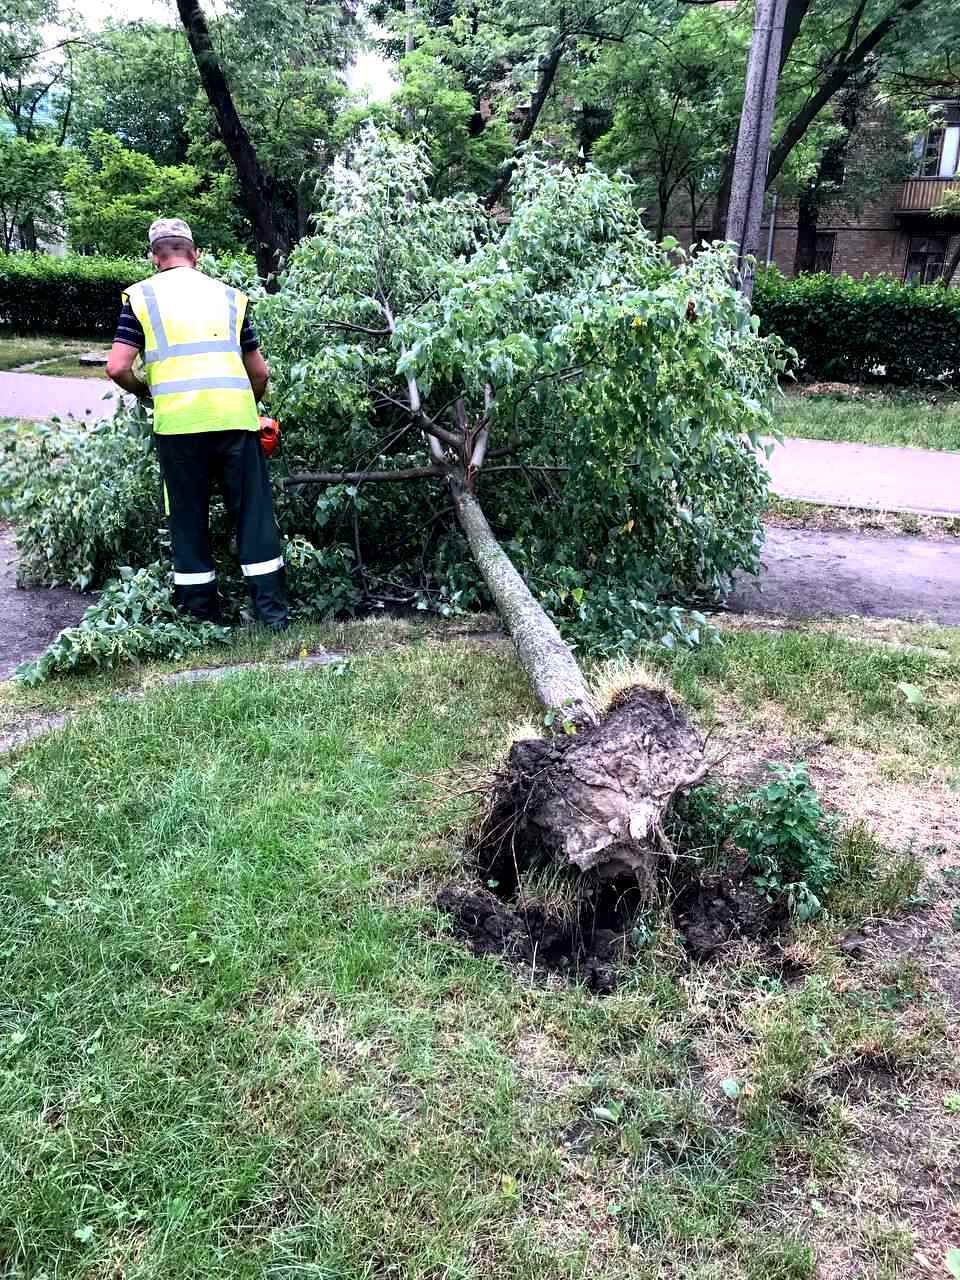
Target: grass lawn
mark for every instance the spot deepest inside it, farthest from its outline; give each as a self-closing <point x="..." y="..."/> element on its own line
<point x="58" y="353"/>
<point x="237" y="1040"/>
<point x="873" y="418"/>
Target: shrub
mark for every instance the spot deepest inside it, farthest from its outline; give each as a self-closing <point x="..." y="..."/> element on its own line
<point x="85" y="499"/>
<point x="787" y="838"/>
<point x="854" y="330"/>
<point x="134" y="619"/>
<point x="70" y="295"/>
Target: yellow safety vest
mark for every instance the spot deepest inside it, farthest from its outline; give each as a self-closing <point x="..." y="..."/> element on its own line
<point x="192" y="356"/>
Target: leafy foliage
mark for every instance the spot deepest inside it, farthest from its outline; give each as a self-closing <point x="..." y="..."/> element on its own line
<point x="113" y="194"/>
<point x="791" y="845"/>
<point x="134" y="618"/>
<point x="853" y="330"/>
<point x="72" y="294"/>
<point x="86" y="499"/>
<point x="620" y="381"/>
<point x="136" y="81"/>
<point x="31" y="174"/>
<point x="787" y="837"/>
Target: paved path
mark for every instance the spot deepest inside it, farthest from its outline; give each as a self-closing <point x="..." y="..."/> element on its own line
<point x="808" y="573"/>
<point x="30" y="619"/>
<point x="37" y="395"/>
<point x="875" y="477"/>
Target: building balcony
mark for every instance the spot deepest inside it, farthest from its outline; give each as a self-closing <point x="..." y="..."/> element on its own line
<point x="920" y="195"/>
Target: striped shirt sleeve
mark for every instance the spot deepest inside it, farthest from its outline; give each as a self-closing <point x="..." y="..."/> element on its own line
<point x="129" y="329"/>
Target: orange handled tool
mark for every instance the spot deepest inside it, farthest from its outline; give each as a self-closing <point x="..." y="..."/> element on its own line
<point x="269" y="436"/>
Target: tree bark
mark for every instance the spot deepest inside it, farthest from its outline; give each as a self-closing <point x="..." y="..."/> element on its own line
<point x="953" y="266"/>
<point x="793" y="21"/>
<point x="544" y="656"/>
<point x="548" y="73"/>
<point x="753" y="143"/>
<point x="273" y="239"/>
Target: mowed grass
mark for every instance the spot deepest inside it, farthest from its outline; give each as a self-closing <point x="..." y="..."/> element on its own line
<point x="902" y="697"/>
<point x="59" y="353"/>
<point x="905" y="419"/>
<point x="237" y="1039"/>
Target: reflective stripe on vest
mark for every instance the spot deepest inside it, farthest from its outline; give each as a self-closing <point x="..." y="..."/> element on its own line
<point x="194" y="364"/>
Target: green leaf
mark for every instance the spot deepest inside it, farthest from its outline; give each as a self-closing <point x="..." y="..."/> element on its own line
<point x="952" y="1262"/>
<point x="730" y="1087"/>
<point x="913" y="693"/>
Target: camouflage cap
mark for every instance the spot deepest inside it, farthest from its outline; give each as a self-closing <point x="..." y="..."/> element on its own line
<point x="164" y="228"/>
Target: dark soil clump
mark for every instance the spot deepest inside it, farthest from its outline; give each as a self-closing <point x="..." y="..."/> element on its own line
<point x="722" y="906"/>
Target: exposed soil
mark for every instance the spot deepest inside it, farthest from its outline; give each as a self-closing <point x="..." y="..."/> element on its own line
<point x="30" y="617"/>
<point x="579" y="908"/>
<point x="594" y="944"/>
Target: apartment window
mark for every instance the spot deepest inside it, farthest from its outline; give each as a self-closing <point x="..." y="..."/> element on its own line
<point x="925" y="259"/>
<point x="928" y="153"/>
<point x="938" y="152"/>
<point x="823" y="251"/>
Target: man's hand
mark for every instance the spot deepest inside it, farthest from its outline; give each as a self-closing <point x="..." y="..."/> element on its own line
<point x="120" y="364"/>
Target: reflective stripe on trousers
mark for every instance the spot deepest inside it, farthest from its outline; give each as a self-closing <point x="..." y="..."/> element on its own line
<point x="263" y="566"/>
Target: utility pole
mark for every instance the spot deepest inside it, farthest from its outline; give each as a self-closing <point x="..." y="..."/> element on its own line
<point x="753" y="143"/>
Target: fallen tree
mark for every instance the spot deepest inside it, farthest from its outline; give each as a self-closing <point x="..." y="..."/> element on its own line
<point x="601" y="396"/>
<point x="584" y="405"/>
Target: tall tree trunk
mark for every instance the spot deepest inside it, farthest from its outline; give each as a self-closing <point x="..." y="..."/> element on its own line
<point x="753" y="144"/>
<point x="793" y="21"/>
<point x="28" y="234"/>
<point x="273" y="238"/>
<point x="828" y="177"/>
<point x="808" y="215"/>
<point x="952" y="266"/>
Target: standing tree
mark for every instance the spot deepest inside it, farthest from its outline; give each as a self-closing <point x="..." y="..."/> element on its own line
<point x="273" y="233"/>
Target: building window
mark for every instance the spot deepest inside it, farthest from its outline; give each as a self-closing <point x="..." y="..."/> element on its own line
<point x="823" y="251"/>
<point x="925" y="259"/>
<point x="938" y="152"/>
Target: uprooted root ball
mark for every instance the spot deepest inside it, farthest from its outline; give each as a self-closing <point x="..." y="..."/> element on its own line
<point x="571" y="852"/>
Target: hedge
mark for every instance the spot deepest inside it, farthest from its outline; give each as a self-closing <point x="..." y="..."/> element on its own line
<point x="71" y="295"/>
<point x="849" y="330"/>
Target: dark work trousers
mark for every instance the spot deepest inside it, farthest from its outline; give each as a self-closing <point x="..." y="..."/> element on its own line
<point x="190" y="465"/>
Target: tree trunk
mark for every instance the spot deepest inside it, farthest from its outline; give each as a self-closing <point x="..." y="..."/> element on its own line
<point x="808" y="215"/>
<point x="548" y="73"/>
<point x="28" y="234"/>
<point x="828" y="177"/>
<point x="592" y="799"/>
<point x="753" y="144"/>
<point x="273" y="239"/>
<point x="547" y="660"/>
<point x="953" y="265"/>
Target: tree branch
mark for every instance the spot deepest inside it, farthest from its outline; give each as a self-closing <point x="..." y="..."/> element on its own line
<point x="255" y="187"/>
<point x="360" y="477"/>
<point x="837" y="78"/>
<point x="548" y="73"/>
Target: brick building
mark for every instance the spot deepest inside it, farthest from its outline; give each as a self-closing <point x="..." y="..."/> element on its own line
<point x="896" y="235"/>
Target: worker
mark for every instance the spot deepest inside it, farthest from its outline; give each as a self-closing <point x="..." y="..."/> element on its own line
<point x="204" y="373"/>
